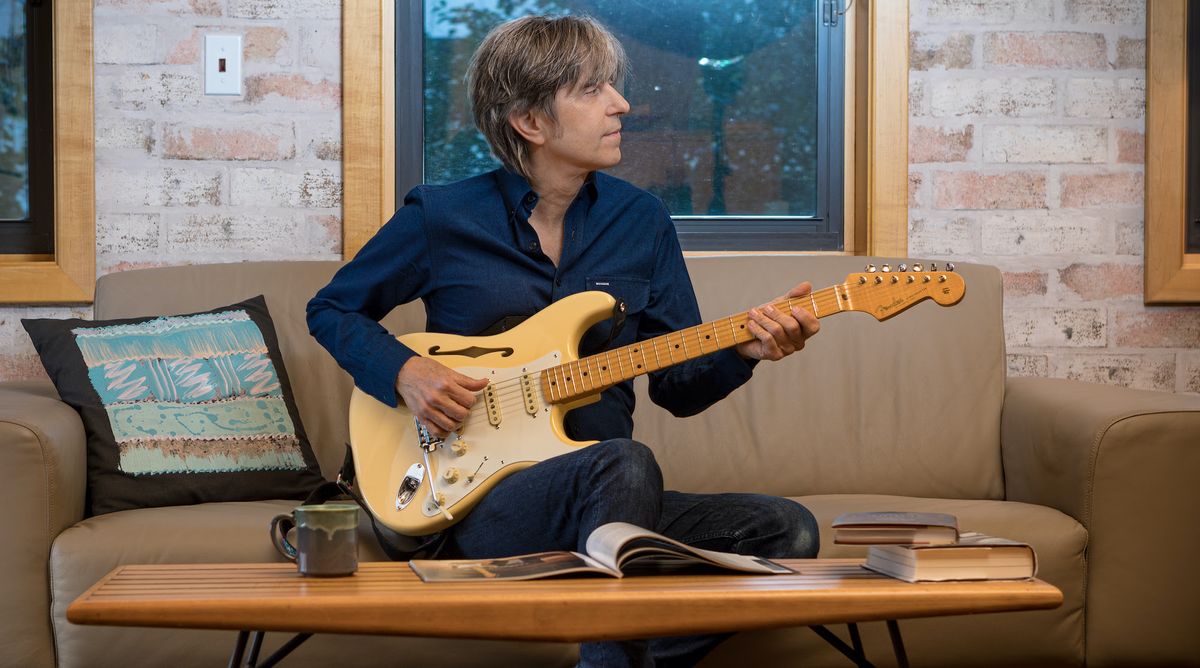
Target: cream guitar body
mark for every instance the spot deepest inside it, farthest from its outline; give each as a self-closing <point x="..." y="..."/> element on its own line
<point x="416" y="484"/>
<point x="511" y="427"/>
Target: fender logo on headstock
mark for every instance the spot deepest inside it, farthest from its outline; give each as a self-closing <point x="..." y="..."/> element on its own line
<point x="884" y="308"/>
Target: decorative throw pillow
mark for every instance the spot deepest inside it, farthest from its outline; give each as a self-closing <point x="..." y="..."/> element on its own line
<point x="180" y="409"/>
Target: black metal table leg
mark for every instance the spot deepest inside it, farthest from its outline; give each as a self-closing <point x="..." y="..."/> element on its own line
<point x="897" y="643"/>
<point x="855" y="639"/>
<point x="255" y="646"/>
<point x="287" y="648"/>
<point x="239" y="648"/>
<point x="855" y="654"/>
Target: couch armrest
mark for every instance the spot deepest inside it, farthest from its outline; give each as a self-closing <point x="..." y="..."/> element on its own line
<point x="1124" y="463"/>
<point x="43" y="460"/>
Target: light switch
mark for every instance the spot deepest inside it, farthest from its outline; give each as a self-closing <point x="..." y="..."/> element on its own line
<point x="222" y="64"/>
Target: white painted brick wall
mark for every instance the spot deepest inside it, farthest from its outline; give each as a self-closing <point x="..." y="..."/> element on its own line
<point x="1057" y="89"/>
<point x="184" y="178"/>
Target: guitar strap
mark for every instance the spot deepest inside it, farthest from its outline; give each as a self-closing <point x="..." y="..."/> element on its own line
<point x="397" y="547"/>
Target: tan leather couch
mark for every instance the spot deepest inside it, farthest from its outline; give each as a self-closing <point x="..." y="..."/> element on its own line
<point x="914" y="413"/>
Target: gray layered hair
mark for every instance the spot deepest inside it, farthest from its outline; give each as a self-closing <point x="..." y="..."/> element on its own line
<point x="523" y="63"/>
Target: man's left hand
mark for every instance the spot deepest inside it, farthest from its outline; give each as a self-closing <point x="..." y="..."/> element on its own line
<point x="778" y="334"/>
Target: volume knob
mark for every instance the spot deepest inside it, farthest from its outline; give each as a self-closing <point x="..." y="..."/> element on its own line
<point x="450" y="475"/>
<point x="459" y="447"/>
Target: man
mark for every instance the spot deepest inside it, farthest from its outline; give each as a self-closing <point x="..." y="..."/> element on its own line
<point x="509" y="243"/>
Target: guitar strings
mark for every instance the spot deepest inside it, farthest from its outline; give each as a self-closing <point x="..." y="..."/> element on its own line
<point x="825" y="302"/>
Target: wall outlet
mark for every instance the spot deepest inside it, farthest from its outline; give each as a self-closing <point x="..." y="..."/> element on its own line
<point x="222" y="64"/>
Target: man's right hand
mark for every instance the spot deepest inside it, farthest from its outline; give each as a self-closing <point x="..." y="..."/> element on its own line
<point x="438" y="396"/>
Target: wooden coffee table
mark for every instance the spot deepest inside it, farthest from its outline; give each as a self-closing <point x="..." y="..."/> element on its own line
<point x="389" y="599"/>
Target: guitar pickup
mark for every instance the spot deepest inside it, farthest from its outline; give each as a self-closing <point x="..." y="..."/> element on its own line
<point x="531" y="403"/>
<point x="492" y="405"/>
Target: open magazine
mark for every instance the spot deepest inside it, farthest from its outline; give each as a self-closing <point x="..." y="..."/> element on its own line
<point x="615" y="549"/>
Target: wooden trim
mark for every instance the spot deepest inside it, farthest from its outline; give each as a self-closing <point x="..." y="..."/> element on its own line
<point x="877" y="164"/>
<point x="366" y="140"/>
<point x="887" y="129"/>
<point x="70" y="276"/>
<point x="1172" y="275"/>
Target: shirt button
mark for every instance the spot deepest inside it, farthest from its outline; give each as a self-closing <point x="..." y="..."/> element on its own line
<point x="558" y="282"/>
<point x="533" y="246"/>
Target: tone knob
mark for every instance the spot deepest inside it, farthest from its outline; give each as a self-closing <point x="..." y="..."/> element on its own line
<point x="450" y="475"/>
<point x="459" y="448"/>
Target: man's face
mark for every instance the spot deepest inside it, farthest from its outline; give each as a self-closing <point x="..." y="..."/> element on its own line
<point x="587" y="132"/>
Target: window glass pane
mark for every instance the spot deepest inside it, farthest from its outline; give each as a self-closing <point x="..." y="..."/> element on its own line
<point x="14" y="113"/>
<point x="723" y="98"/>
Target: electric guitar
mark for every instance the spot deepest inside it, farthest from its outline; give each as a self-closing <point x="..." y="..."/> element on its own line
<point x="417" y="484"/>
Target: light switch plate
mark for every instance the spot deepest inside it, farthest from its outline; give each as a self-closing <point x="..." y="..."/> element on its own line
<point x="222" y="64"/>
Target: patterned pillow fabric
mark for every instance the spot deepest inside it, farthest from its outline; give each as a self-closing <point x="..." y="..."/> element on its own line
<point x="180" y="409"/>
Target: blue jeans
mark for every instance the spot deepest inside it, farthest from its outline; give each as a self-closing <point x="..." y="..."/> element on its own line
<point x="555" y="504"/>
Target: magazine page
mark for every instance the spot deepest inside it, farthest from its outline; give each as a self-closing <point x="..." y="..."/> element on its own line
<point x="520" y="567"/>
<point x="617" y="543"/>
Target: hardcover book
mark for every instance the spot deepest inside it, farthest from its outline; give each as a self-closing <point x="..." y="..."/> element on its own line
<point x="975" y="556"/>
<point x="892" y="528"/>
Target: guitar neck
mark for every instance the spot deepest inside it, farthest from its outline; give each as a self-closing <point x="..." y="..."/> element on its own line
<point x="588" y="375"/>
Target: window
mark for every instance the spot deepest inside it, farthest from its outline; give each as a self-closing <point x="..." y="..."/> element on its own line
<point x="736" y="118"/>
<point x="67" y="272"/>
<point x="26" y="128"/>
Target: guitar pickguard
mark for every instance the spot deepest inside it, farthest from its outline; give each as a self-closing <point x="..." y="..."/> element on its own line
<point x="481" y="449"/>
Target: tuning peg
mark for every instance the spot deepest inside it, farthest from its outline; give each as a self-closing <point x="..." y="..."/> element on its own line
<point x="932" y="266"/>
<point x="871" y="269"/>
<point x="902" y="267"/>
<point x="949" y="266"/>
<point x="917" y="266"/>
<point x="862" y="280"/>
<point x="878" y="280"/>
<point x="895" y="279"/>
<point x="887" y="267"/>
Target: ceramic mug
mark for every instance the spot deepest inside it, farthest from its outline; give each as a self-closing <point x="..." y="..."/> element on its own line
<point x="326" y="538"/>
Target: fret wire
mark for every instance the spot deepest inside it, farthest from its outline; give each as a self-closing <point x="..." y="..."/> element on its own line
<point x="657" y="362"/>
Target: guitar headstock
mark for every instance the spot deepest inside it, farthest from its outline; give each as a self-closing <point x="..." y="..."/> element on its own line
<point x="885" y="291"/>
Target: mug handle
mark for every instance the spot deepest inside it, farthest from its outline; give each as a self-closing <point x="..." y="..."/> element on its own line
<point x="279" y="537"/>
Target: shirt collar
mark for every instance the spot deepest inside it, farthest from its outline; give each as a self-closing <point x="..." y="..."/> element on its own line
<point x="518" y="195"/>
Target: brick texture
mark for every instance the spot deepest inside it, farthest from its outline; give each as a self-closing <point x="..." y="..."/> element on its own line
<point x="1049" y="183"/>
<point x="1058" y="50"/>
<point x="973" y="190"/>
<point x="185" y="178"/>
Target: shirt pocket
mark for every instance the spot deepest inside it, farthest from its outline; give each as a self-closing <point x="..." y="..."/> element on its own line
<point x="634" y="291"/>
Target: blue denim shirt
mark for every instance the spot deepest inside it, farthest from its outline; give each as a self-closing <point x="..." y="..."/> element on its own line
<point x="468" y="251"/>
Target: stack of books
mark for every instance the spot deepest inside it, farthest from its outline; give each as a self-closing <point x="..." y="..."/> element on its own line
<point x="928" y="547"/>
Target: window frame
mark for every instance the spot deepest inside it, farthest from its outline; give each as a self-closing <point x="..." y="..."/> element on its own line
<point x="68" y="275"/>
<point x="1172" y="275"/>
<point x="34" y="234"/>
<point x="697" y="232"/>
<point x="876" y="165"/>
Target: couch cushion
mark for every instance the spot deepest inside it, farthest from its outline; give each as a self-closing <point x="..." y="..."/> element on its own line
<point x="182" y="408"/>
<point x="230" y="532"/>
<point x="1036" y="638"/>
<point x="907" y="406"/>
